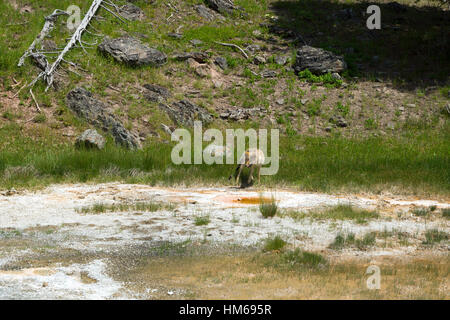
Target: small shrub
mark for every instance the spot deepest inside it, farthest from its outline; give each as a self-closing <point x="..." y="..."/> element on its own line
<point x="420" y="212"/>
<point x="325" y="79"/>
<point x="274" y="244"/>
<point x="124" y="207"/>
<point x="350" y="240"/>
<point x="313" y="108"/>
<point x="446" y="213"/>
<point x="268" y="208"/>
<point x="40" y="118"/>
<point x="8" y="115"/>
<point x="367" y="241"/>
<point x="338" y="212"/>
<point x="343" y="109"/>
<point x="202" y="220"/>
<point x="435" y="236"/>
<point x="299" y="258"/>
<point x="370" y="123"/>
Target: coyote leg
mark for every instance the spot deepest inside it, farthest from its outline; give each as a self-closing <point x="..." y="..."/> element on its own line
<point x="239" y="173"/>
<point x="259" y="174"/>
<point x="250" y="176"/>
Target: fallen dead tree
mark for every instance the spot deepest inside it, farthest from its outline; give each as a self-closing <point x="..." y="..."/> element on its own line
<point x="50" y="69"/>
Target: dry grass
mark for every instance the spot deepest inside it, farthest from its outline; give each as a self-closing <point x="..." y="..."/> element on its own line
<point x="248" y="277"/>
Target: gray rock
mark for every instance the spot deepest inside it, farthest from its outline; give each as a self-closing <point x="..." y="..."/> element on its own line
<point x="281" y="60"/>
<point x="336" y="76"/>
<point x="222" y="6"/>
<point x="132" y="52"/>
<point x="318" y="61"/>
<point x="269" y="74"/>
<point x="257" y="33"/>
<point x="221" y="62"/>
<point x="185" y="113"/>
<point x="339" y="121"/>
<point x="175" y="35"/>
<point x="131" y="12"/>
<point x="90" y="139"/>
<point x="239" y="114"/>
<point x="207" y="13"/>
<point x="94" y="111"/>
<point x="156" y="93"/>
<point x="200" y="57"/>
<point x="253" y="48"/>
<point x="196" y="42"/>
<point x="259" y="60"/>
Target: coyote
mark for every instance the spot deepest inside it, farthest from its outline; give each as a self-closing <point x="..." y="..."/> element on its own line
<point x="251" y="158"/>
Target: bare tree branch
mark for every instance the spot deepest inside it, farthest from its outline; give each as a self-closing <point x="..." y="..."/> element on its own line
<point x="234" y="46"/>
<point x="76" y="37"/>
<point x="35" y="101"/>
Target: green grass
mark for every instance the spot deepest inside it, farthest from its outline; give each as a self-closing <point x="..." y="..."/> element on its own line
<point x="40" y="118"/>
<point x="434" y="236"/>
<point x="268" y="209"/>
<point x="201" y="220"/>
<point x="349" y="240"/>
<point x="325" y="79"/>
<point x="98" y="208"/>
<point x="352" y="165"/>
<point x="413" y="162"/>
<point x="338" y="212"/>
<point x="299" y="259"/>
<point x="446" y="213"/>
<point x="274" y="244"/>
<point x="420" y="212"/>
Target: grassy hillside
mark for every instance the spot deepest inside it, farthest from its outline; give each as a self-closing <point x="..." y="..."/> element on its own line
<point x="393" y="96"/>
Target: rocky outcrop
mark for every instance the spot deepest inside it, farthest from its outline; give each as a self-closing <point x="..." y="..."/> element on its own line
<point x="132" y="51"/>
<point x="242" y="114"/>
<point x="200" y="57"/>
<point x="222" y="6"/>
<point x="318" y="61"/>
<point x="185" y="113"/>
<point x="90" y="139"/>
<point x="94" y="111"/>
<point x="221" y="62"/>
<point x="339" y="121"/>
<point x="207" y="14"/>
<point x="131" y="12"/>
<point x="156" y="93"/>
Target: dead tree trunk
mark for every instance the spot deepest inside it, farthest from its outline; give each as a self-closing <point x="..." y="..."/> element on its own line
<point x="76" y="37"/>
<point x="48" y="27"/>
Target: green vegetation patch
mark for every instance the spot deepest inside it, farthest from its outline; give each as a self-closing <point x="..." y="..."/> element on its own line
<point x="339" y="212"/>
<point x="98" y="208"/>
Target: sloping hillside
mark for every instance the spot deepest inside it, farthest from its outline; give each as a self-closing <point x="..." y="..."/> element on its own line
<point x="394" y="91"/>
